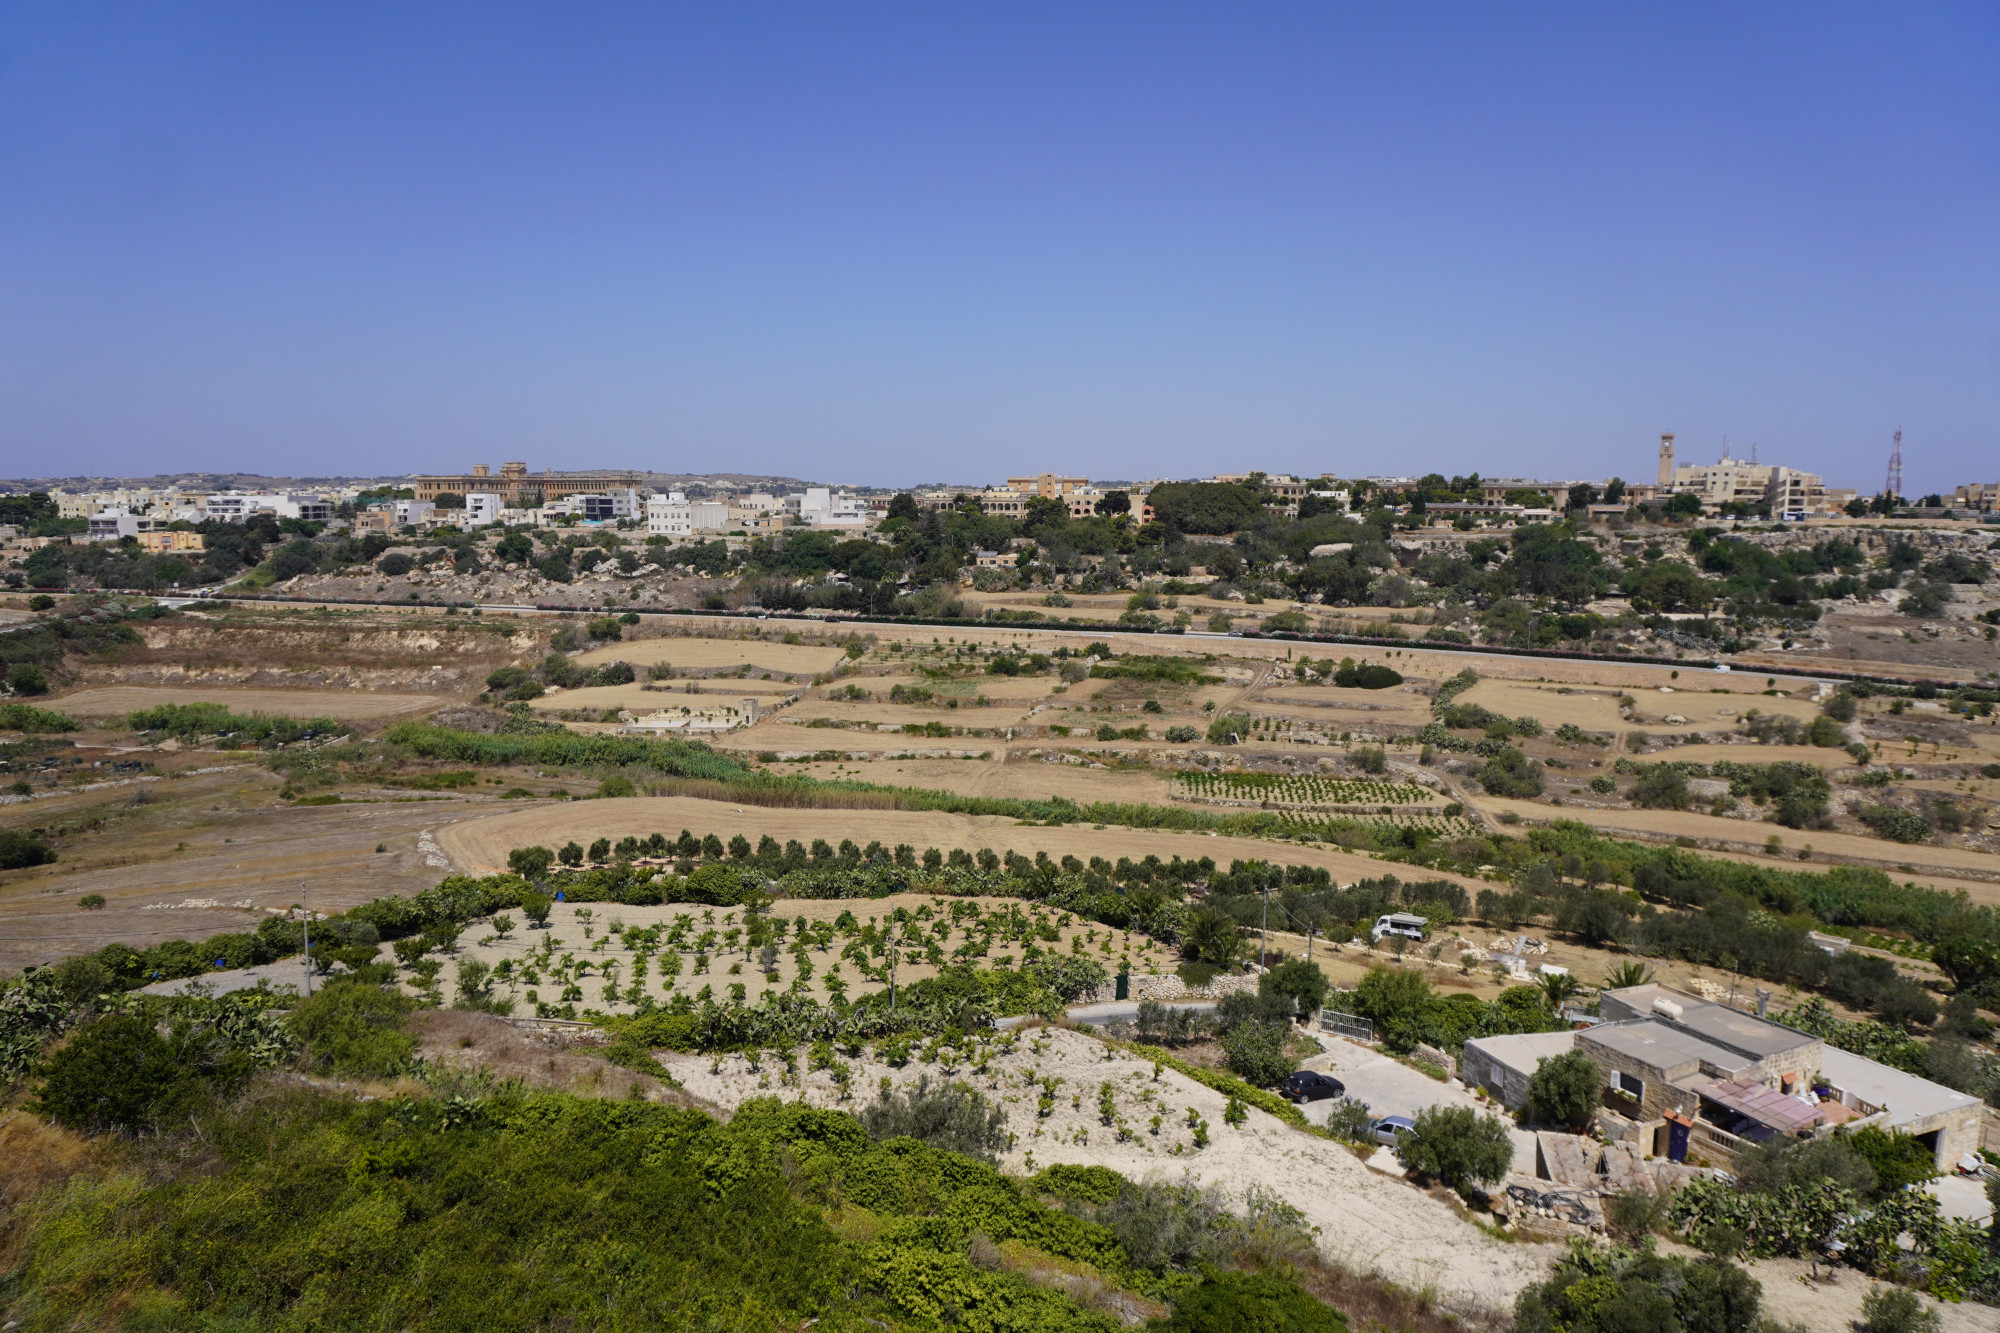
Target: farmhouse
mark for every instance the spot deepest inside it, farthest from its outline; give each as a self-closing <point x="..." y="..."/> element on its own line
<point x="1686" y="1076"/>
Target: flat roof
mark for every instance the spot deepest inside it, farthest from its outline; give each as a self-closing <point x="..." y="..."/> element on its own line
<point x="1525" y="1050"/>
<point x="1720" y="1022"/>
<point x="1660" y="1046"/>
<point x="1746" y="1032"/>
<point x="1905" y="1096"/>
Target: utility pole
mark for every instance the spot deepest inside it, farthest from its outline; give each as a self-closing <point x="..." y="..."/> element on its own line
<point x="1264" y="948"/>
<point x="309" y="938"/>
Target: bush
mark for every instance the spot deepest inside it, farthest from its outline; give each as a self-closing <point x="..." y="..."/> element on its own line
<point x="1297" y="981"/>
<point x="954" y="1117"/>
<point x="356" y="1029"/>
<point x="19" y="850"/>
<point x="1227" y="1302"/>
<point x="1627" y="1291"/>
<point x="121" y="1074"/>
<point x="1896" y="1310"/>
<point x="27" y="678"/>
<point x="395" y="564"/>
<point x="1565" y="1089"/>
<point x="1896" y="825"/>
<point x="1182" y="735"/>
<point x="91" y="902"/>
<point x="530" y="863"/>
<point x="1661" y="787"/>
<point x="1255" y="1052"/>
<point x="1458" y="1147"/>
<point x="1511" y="773"/>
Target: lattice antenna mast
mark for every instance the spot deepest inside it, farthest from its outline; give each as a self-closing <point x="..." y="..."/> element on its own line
<point x="1894" y="486"/>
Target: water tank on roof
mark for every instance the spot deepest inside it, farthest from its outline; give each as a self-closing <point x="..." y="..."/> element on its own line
<point x="1666" y="1008"/>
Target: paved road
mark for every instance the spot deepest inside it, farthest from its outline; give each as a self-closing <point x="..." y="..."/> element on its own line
<point x="1391" y="1088"/>
<point x="1114" y="1011"/>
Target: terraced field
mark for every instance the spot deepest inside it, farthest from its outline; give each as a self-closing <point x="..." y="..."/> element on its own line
<point x="1309" y="790"/>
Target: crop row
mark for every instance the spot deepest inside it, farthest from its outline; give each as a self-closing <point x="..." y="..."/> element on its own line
<point x="1308" y="789"/>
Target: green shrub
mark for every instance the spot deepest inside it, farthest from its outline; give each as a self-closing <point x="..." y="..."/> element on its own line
<point x="1083" y="1184"/>
<point x="1228" y="1302"/>
<point x="32" y="720"/>
<point x="121" y="1073"/>
<point x="1896" y="1310"/>
<point x="1256" y="1053"/>
<point x="1458" y="1147"/>
<point x="1511" y="773"/>
<point x="357" y="1030"/>
<point x="19" y="850"/>
<point x="1896" y="825"/>
<point x="1565" y="1089"/>
<point x="954" y="1117"/>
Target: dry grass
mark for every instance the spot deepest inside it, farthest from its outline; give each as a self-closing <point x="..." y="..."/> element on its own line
<point x="466" y="1040"/>
<point x="724" y="652"/>
<point x="35" y="1156"/>
<point x="117" y="700"/>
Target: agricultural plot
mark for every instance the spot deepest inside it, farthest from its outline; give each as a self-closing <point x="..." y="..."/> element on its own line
<point x="1437" y="824"/>
<point x="1310" y="789"/>
<point x="709" y="654"/>
<point x="118" y="700"/>
<point x="618" y="959"/>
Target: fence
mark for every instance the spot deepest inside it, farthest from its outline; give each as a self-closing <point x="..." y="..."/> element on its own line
<point x="1351" y="1026"/>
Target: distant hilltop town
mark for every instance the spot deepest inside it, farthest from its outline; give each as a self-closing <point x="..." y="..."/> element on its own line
<point x="686" y="506"/>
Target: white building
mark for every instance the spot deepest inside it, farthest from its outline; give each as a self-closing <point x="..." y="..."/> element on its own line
<point x="667" y="515"/>
<point x="822" y="507"/>
<point x="482" y="508"/>
<point x="413" y="513"/>
<point x="240" y="506"/>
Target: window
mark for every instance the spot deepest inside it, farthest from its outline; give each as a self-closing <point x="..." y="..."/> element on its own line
<point x="1628" y="1084"/>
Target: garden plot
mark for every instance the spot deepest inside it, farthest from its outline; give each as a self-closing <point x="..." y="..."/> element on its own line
<point x="613" y="958"/>
<point x="117" y="700"/>
<point x="802" y="659"/>
<point x="1596" y="708"/>
<point x="1051" y="1082"/>
<point x="1301" y="790"/>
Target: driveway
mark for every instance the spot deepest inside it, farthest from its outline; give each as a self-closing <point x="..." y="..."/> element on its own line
<point x="1390" y="1088"/>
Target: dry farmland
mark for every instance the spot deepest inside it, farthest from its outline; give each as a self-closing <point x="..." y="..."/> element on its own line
<point x="345" y="705"/>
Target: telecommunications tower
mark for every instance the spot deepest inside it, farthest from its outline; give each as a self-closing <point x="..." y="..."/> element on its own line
<point x="1894" y="486"/>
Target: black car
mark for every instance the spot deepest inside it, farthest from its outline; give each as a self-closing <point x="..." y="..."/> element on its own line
<point x="1310" y="1086"/>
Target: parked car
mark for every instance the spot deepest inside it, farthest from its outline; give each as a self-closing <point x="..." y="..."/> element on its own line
<point x="1309" y="1085"/>
<point x="1389" y="1127"/>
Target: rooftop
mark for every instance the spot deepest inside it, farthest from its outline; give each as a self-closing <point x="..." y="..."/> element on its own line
<point x="1525" y="1050"/>
<point x="1905" y="1096"/>
<point x="1723" y="1023"/>
<point x="1662" y="1047"/>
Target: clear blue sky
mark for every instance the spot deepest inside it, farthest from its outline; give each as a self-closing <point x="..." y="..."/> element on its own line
<point x="888" y="243"/>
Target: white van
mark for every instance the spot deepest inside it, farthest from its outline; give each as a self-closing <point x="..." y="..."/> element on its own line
<point x="1399" y="923"/>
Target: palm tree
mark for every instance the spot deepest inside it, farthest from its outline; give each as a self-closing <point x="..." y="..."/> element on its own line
<point x="1212" y="938"/>
<point x="1559" y="988"/>
<point x="1627" y="974"/>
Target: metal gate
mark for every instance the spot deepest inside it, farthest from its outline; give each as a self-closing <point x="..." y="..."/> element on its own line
<point x="1351" y="1026"/>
